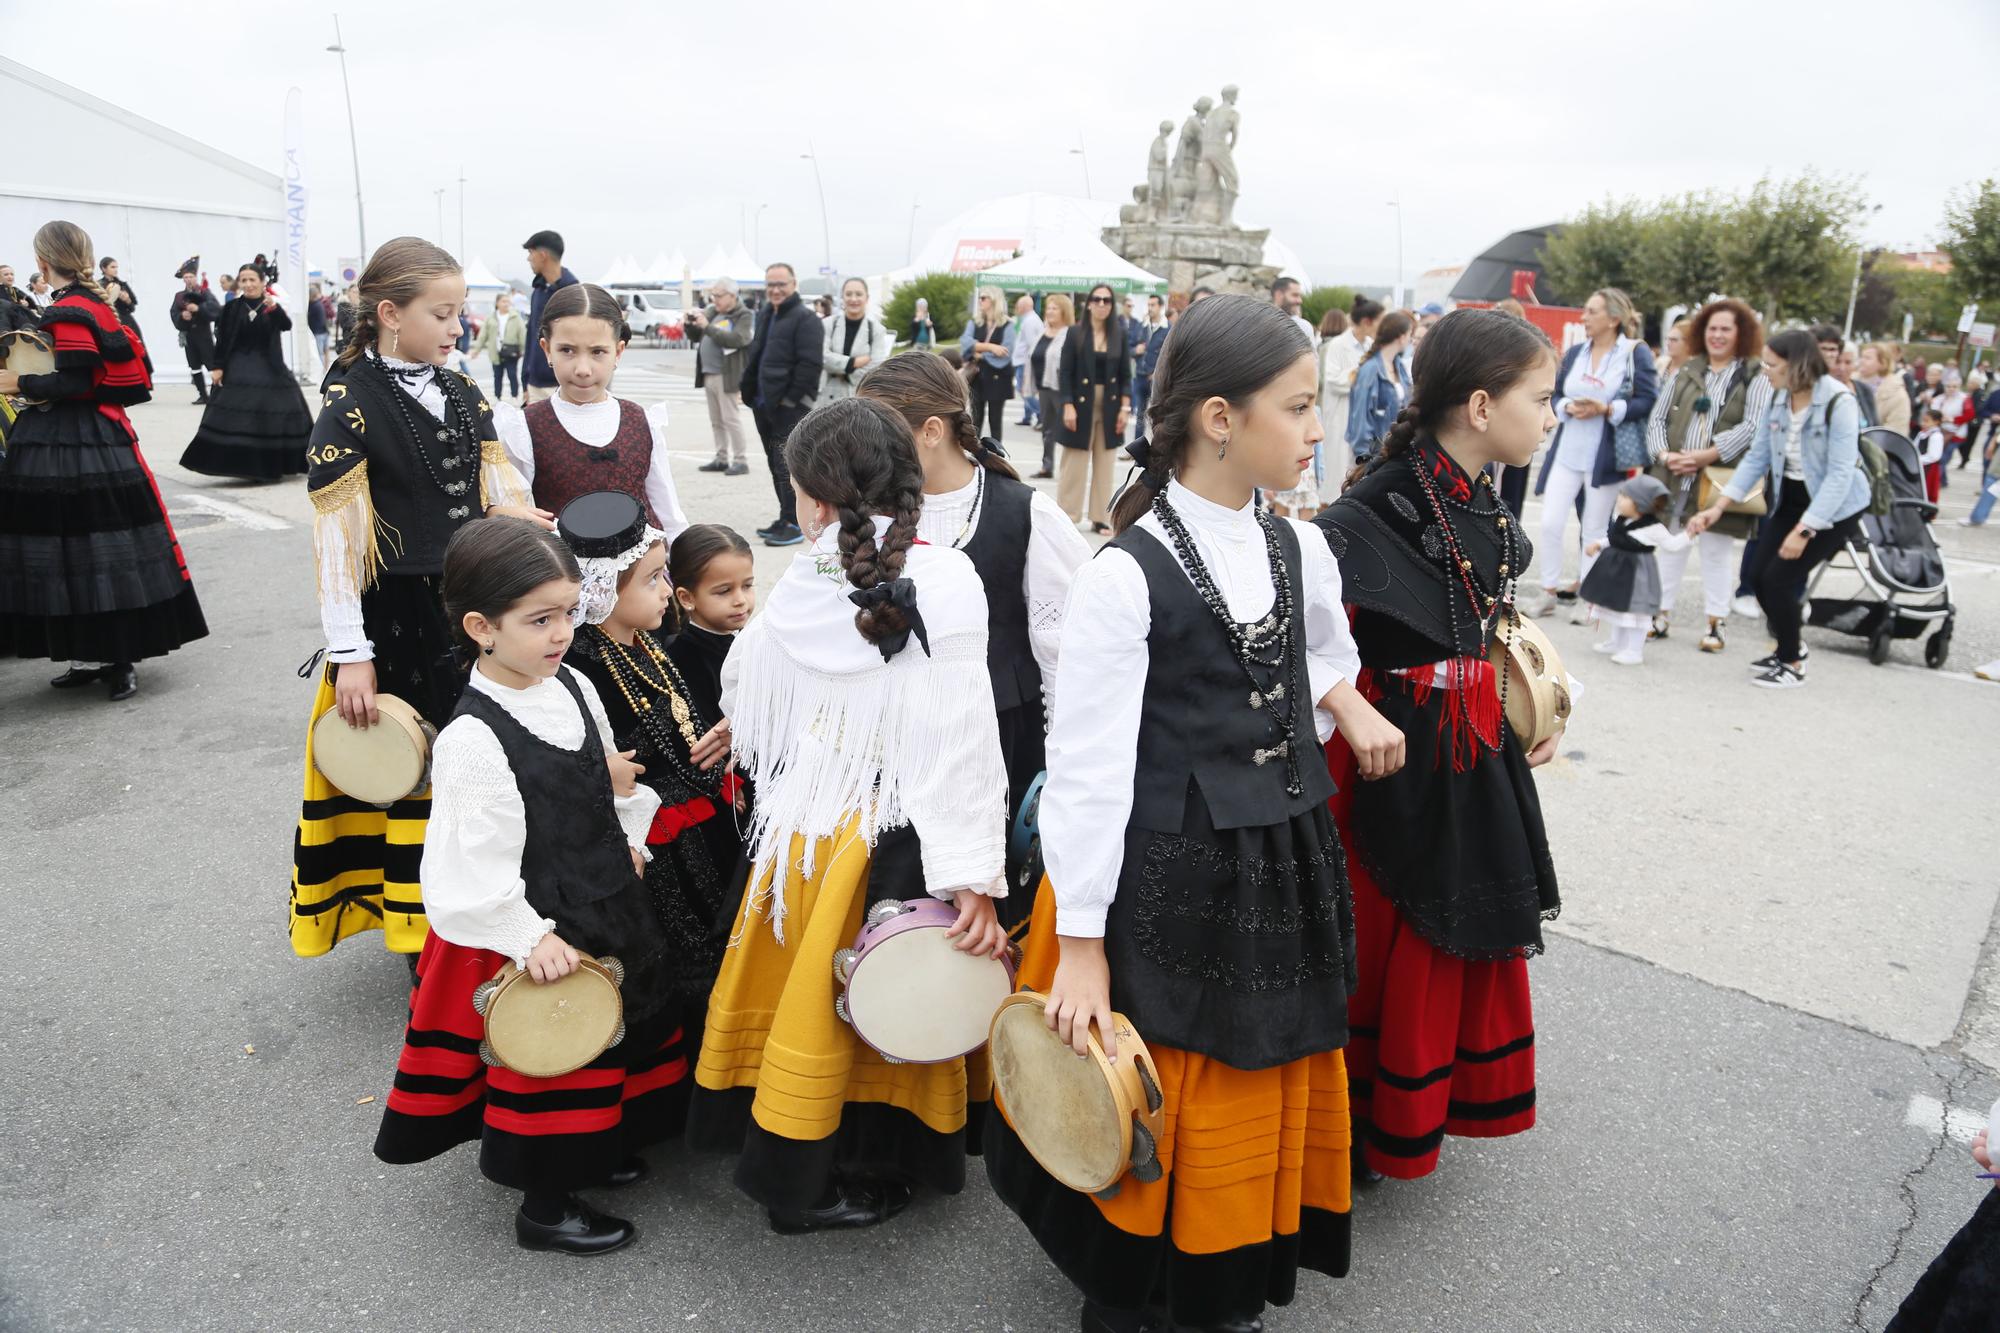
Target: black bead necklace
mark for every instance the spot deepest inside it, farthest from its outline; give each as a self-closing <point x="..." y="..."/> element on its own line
<point x="1475" y="594"/>
<point x="452" y="432"/>
<point x="1263" y="646"/>
<point x="972" y="515"/>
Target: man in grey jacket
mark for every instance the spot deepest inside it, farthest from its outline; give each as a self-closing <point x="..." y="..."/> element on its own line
<point x="721" y="333"/>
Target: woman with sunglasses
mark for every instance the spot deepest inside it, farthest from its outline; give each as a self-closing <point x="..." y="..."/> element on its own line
<point x="1097" y="403"/>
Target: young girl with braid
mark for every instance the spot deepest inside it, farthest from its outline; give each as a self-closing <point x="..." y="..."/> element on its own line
<point x="1025" y="549"/>
<point x="860" y="710"/>
<point x="1450" y="864"/>
<point x="1196" y="883"/>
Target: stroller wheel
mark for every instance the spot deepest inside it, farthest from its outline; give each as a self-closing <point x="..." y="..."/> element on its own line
<point x="1879" y="640"/>
<point x="1938" y="647"/>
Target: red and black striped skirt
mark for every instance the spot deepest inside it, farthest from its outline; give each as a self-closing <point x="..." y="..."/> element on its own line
<point x="542" y="1134"/>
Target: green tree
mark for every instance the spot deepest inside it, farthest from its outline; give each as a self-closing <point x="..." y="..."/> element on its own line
<point x="1322" y="299"/>
<point x="1677" y="257"/>
<point x="950" y="295"/>
<point x="1972" y="238"/>
<point x="1598" y="249"/>
<point x="1789" y="249"/>
<point x="1931" y="300"/>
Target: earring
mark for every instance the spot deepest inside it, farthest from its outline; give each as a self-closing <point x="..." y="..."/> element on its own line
<point x="395" y="341"/>
<point x="1222" y="450"/>
<point x="487" y="649"/>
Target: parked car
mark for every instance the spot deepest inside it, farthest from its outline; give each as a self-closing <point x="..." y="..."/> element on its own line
<point x="652" y="313"/>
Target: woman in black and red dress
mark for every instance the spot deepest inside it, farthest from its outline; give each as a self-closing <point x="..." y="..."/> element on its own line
<point x="90" y="569"/>
<point x="1450" y="866"/>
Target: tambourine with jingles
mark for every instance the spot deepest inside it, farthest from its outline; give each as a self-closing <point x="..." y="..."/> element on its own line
<point x="26" y="352"/>
<point x="543" y="1029"/>
<point x="382" y="764"/>
<point x="1087" y="1121"/>
<point x="911" y="993"/>
<point x="1538" y="701"/>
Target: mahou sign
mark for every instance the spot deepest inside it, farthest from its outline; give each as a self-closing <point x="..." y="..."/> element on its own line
<point x="973" y="255"/>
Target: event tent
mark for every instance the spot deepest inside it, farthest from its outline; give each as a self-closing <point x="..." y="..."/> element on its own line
<point x="666" y="268"/>
<point x="1490" y="277"/>
<point x="1072" y="269"/>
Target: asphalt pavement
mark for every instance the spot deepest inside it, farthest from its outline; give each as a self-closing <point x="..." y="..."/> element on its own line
<point x="1769" y="1017"/>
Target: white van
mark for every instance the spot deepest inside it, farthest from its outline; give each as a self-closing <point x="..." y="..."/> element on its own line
<point x="651" y="312"/>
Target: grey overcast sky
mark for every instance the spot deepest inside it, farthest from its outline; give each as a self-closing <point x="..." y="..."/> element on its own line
<point x="645" y="127"/>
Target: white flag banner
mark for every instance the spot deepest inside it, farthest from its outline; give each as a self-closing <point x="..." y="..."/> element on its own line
<point x="292" y="260"/>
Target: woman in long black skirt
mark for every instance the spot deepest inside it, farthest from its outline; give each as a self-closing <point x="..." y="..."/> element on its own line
<point x="256" y="425"/>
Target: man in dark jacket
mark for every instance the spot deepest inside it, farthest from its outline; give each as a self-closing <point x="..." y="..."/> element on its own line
<point x="780" y="381"/>
<point x="545" y="252"/>
<point x="194" y="312"/>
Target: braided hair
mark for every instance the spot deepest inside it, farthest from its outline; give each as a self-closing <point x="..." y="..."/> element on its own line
<point x="66" y="249"/>
<point x="921" y="385"/>
<point x="1226" y="347"/>
<point x="1466" y="351"/>
<point x="398" y="273"/>
<point x="857" y="455"/>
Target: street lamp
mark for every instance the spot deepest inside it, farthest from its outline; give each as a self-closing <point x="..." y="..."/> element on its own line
<point x="1397" y="204"/>
<point x="1078" y="152"/>
<point x="757" y="233"/>
<point x="825" y="235"/>
<point x="439" y="192"/>
<point x="354" y="144"/>
<point x="910" y="241"/>
<point x="1854" y="288"/>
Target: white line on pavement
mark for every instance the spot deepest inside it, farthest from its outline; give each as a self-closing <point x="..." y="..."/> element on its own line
<point x="1928" y="1114"/>
<point x="233" y="512"/>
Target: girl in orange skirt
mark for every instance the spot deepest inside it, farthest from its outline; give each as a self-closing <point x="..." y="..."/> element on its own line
<point x="1195" y="880"/>
<point x="1451" y="868"/>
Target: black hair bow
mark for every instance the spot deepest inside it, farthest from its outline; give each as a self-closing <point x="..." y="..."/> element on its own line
<point x="901" y="594"/>
<point x="990" y="446"/>
<point x="1140" y="451"/>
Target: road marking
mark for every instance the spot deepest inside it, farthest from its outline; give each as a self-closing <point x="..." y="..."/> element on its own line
<point x="1927" y="1113"/>
<point x="232" y="512"/>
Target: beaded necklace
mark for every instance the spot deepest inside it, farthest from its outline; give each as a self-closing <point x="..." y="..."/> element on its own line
<point x="629" y="672"/>
<point x="1485" y="606"/>
<point x="1265" y="643"/>
<point x="452" y="432"/>
<point x="972" y="514"/>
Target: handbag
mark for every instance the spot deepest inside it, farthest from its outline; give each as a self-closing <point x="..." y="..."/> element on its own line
<point x="1628" y="437"/>
<point x="1714" y="478"/>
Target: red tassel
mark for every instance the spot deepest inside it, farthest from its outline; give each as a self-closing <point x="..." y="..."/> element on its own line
<point x="1470" y="717"/>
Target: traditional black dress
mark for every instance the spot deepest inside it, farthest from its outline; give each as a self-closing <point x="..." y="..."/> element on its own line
<point x="256" y="425"/>
<point x="1450" y="865"/>
<point x="90" y="569"/>
<point x="1626" y="576"/>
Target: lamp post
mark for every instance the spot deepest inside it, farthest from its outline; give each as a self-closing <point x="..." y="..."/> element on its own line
<point x="1397" y="204"/>
<point x="439" y="192"/>
<point x="757" y="233"/>
<point x="910" y="241"/>
<point x="825" y="234"/>
<point x="1854" y="288"/>
<point x="1079" y="152"/>
<point x="354" y="144"/>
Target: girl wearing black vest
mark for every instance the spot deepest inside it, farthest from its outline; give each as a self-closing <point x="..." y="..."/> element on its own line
<point x="1026" y="552"/>
<point x="403" y="456"/>
<point x="1451" y="868"/>
<point x="532" y="860"/>
<point x="1197" y="883"/>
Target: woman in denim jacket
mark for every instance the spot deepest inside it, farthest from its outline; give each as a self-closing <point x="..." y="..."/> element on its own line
<point x="1807" y="454"/>
<point x="1381" y="386"/>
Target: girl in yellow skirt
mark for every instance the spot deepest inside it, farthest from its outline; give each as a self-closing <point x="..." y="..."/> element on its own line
<point x="1196" y="883"/>
<point x="860" y="710"/>
<point x="402" y="456"/>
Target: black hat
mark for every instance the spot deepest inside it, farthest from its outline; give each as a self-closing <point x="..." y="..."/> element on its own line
<point x="193" y="265"/>
<point x="602" y="524"/>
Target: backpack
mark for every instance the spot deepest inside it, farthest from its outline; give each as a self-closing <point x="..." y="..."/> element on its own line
<point x="1874" y="462"/>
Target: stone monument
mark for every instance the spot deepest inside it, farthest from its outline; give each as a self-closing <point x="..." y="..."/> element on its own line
<point x="1181" y="223"/>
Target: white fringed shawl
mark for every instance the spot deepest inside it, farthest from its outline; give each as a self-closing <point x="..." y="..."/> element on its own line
<point x="827" y="730"/>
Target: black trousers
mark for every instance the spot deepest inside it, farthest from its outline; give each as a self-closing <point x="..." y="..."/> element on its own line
<point x="774" y="427"/>
<point x="1778" y="582"/>
<point x="1514" y="489"/>
<point x="989" y="403"/>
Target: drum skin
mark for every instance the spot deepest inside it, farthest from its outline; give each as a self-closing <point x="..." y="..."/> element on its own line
<point x="26" y="352"/>
<point x="381" y="764"/>
<point x="550" y="1028"/>
<point x="1077" y="1117"/>
<point x="1537" y="685"/>
<point x="911" y="994"/>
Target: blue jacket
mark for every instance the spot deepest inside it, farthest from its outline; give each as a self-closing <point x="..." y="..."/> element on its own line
<point x="1638" y="404"/>
<point x="1374" y="403"/>
<point x="1829" y="454"/>
<point x="1148" y="349"/>
<point x="535" y="365"/>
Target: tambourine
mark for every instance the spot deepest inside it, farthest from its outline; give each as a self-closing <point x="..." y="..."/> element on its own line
<point x="26" y="352"/>
<point x="543" y="1029"/>
<point x="1538" y="700"/>
<point x="1024" y="840"/>
<point x="909" y="992"/>
<point x="1087" y="1121"/>
<point x="382" y="764"/>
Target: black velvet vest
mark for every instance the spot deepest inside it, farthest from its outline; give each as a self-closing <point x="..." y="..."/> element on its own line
<point x="1197" y="724"/>
<point x="999" y="551"/>
<point x="422" y="489"/>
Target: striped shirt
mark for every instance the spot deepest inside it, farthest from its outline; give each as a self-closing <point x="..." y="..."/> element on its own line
<point x="1733" y="442"/>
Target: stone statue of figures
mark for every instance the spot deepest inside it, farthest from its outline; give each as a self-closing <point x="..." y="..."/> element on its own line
<point x="1139" y="210"/>
<point x="1216" y="181"/>
<point x="1156" y="172"/>
<point x="1187" y="162"/>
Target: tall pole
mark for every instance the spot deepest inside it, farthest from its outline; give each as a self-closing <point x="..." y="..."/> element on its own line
<point x="1078" y="151"/>
<point x="439" y="192"/>
<point x="461" y="213"/>
<point x="1397" y="204"/>
<point x="353" y="143"/>
<point x="910" y="241"/>
<point x="825" y="233"/>
<point x="757" y="233"/>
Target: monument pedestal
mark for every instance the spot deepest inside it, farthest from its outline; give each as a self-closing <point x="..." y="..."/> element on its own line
<point x="1196" y="254"/>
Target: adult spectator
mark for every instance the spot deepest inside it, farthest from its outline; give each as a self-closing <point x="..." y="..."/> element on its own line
<point x="1381" y="386"/>
<point x="1956" y="406"/>
<point x="1097" y="402"/>
<point x="721" y="331"/>
<point x="1150" y="341"/>
<point x="855" y="340"/>
<point x="1330" y="457"/>
<point x="1706" y="416"/>
<point x="545" y="255"/>
<point x="780" y="381"/>
<point x="1985" y="441"/>
<point x="123" y="299"/>
<point x="1027" y="332"/>
<point x="193" y="313"/>
<point x="1674" y="348"/>
<point x="1929" y="389"/>
<point x="1431" y="313"/>
<point x="502" y="340"/>
<point x="1288" y="296"/>
<point x="1604" y="381"/>
<point x="1876" y="368"/>
<point x="1807" y="453"/>
<point x="1045" y="363"/>
<point x="1340" y="360"/>
<point x="1840" y="362"/>
<point x="11" y="294"/>
<point x="317" y="323"/>
<point x="923" y="333"/>
<point x="344" y="311"/>
<point x="38" y="289"/>
<point x="823" y="307"/>
<point x="985" y="345"/>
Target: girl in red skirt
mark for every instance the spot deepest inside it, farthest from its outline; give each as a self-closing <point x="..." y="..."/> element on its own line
<point x="530" y="858"/>
<point x="1447" y="856"/>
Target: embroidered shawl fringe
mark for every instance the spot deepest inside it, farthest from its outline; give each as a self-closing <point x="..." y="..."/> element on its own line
<point x="499" y="482"/>
<point x="347" y="551"/>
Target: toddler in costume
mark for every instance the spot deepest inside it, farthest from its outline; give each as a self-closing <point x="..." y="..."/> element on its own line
<point x="1624" y="584"/>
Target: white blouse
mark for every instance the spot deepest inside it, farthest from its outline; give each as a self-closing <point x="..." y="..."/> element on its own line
<point x="594" y="424"/>
<point x="1094" y="736"/>
<point x="1056" y="550"/>
<point x="473" y="891"/>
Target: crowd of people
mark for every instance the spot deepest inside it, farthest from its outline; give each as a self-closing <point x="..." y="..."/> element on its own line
<point x="1285" y="829"/>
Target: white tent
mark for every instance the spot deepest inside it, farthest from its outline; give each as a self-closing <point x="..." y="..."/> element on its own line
<point x="480" y="279"/>
<point x="622" y="271"/>
<point x="1073" y="268"/>
<point x="665" y="268"/>
<point x="717" y="265"/>
<point x="743" y="268"/>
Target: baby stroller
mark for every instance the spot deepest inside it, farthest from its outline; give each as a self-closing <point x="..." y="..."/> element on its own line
<point x="1901" y="572"/>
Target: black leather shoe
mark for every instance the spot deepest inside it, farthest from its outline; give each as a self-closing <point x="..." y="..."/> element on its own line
<point x="76" y="676"/>
<point x="1365" y="1174"/>
<point x="714" y="465"/>
<point x="629" y="1172"/>
<point x="583" y="1230"/>
<point x="855" y="1204"/>
<point x="123" y="680"/>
